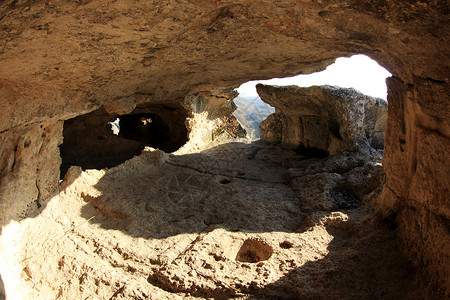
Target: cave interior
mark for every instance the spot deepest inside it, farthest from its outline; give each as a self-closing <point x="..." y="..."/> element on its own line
<point x="170" y="202"/>
<point x="91" y="143"/>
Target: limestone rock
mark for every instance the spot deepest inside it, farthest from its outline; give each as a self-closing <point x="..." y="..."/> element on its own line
<point x="29" y="173"/>
<point x="325" y="118"/>
<point x="70" y="58"/>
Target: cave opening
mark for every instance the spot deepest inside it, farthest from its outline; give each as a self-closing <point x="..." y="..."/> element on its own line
<point x="103" y="140"/>
<point x="359" y="72"/>
<point x="148" y="128"/>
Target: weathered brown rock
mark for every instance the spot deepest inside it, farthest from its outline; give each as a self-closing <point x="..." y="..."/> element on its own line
<point x="324" y="118"/>
<point x="417" y="167"/>
<point x="59" y="60"/>
<point x="89" y="53"/>
<point x="271" y="129"/>
<point x="342" y="181"/>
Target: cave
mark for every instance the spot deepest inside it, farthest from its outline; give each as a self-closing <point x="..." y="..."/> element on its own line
<point x="161" y="126"/>
<point x="91" y="143"/>
<point x="132" y="220"/>
<point x="147" y="128"/>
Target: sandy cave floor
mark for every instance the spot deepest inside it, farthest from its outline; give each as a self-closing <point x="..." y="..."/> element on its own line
<point x="227" y="222"/>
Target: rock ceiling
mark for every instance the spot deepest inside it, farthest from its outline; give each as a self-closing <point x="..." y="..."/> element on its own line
<point x="80" y="54"/>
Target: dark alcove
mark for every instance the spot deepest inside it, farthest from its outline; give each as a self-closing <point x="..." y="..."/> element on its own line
<point x="100" y="140"/>
<point x="148" y="128"/>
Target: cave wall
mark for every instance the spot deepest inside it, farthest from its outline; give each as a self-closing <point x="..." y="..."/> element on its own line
<point x="29" y="169"/>
<point x="417" y="167"/>
<point x="63" y="59"/>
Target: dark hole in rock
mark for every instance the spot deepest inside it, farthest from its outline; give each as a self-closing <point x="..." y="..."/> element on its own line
<point x="96" y="141"/>
<point x="216" y="257"/>
<point x="225" y="181"/>
<point x="254" y="251"/>
<point x="334" y="128"/>
<point x="286" y="245"/>
<point x="156" y="125"/>
<point x="311" y="151"/>
<point x="26" y="143"/>
<point x="148" y="128"/>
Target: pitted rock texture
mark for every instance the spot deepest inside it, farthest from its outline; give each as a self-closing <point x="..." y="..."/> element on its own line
<point x="326" y="118"/>
<point x="226" y="222"/>
<point x="212" y="121"/>
<point x="340" y="182"/>
<point x="28" y="169"/>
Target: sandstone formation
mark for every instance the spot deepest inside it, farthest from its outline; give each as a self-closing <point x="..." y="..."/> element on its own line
<point x="212" y="120"/>
<point x="62" y="60"/>
<point x="323" y="118"/>
<point x="416" y="164"/>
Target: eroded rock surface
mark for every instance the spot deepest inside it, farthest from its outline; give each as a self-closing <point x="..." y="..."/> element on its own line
<point x="416" y="163"/>
<point x="227" y="222"/>
<point x="323" y="118"/>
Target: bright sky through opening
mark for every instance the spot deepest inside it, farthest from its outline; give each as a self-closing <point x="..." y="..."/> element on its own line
<point x="359" y="72"/>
